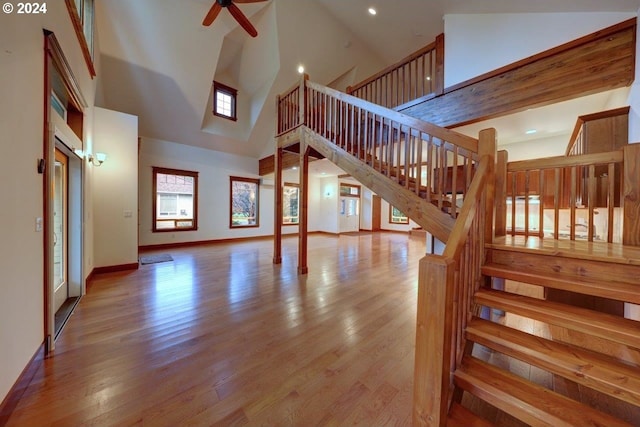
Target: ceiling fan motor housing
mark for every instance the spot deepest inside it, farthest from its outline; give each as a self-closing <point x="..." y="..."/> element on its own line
<point x="224" y="3"/>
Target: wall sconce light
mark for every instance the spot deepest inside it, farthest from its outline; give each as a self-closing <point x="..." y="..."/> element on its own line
<point x="98" y="159"/>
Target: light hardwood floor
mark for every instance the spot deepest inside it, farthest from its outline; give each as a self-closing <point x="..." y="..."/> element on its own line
<point x="222" y="337"/>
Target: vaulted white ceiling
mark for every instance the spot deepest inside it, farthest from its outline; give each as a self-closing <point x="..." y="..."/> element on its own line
<point x="158" y="62"/>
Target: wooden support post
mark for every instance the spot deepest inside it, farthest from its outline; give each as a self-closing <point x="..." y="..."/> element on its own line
<point x="432" y="377"/>
<point x="487" y="147"/>
<point x="501" y="194"/>
<point x="631" y="223"/>
<point x="304" y="205"/>
<point x="277" y="214"/>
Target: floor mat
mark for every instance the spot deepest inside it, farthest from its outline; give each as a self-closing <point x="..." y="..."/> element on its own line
<point x="155" y="259"/>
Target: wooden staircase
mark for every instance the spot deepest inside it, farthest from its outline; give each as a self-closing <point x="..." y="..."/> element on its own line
<point x="562" y="312"/>
<point x="584" y="347"/>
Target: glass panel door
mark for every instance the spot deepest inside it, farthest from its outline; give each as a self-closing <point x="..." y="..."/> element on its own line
<point x="60" y="185"/>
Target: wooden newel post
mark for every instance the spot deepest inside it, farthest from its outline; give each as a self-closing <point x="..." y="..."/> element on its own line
<point x="432" y="375"/>
<point x="487" y="143"/>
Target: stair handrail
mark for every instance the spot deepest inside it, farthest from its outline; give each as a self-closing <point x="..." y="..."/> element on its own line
<point x="463" y="141"/>
<point x="446" y="286"/>
<point x="576" y="141"/>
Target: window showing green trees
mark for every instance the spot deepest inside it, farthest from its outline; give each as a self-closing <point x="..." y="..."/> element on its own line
<point x="290" y="204"/>
<point x="245" y="202"/>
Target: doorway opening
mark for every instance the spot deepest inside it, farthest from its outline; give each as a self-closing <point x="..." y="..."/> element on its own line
<point x="67" y="233"/>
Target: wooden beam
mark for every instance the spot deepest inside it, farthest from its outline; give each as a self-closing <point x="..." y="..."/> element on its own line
<point x="595" y="63"/>
<point x="266" y="165"/>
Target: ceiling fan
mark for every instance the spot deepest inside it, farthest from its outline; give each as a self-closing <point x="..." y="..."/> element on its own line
<point x="235" y="12"/>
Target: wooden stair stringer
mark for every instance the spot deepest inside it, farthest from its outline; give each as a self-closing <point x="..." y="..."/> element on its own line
<point x="421" y="211"/>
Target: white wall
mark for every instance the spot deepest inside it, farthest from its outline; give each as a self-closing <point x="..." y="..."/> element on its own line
<point x="536" y="148"/>
<point x="326" y="217"/>
<point x="21" y="130"/>
<point x="115" y="189"/>
<point x="478" y="43"/>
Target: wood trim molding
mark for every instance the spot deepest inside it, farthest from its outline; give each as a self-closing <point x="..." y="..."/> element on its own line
<point x="114" y="268"/>
<point x="12" y="399"/>
<point x="77" y="26"/>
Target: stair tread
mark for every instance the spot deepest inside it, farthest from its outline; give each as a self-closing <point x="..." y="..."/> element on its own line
<point x="594" y="370"/>
<point x="459" y="416"/>
<point x="622" y="291"/>
<point x="607" y="326"/>
<point x="529" y="402"/>
<point x="595" y="251"/>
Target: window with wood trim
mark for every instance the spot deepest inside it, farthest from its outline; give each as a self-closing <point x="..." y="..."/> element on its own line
<point x="224" y="101"/>
<point x="290" y="204"/>
<point x="349" y="190"/>
<point x="244" y="202"/>
<point x="82" y="16"/>
<point x="175" y="200"/>
<point x="397" y="217"/>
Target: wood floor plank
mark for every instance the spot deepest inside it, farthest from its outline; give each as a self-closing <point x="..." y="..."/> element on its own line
<point x="221" y="336"/>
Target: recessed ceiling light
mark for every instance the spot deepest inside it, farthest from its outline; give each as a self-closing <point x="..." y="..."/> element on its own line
<point x="428" y="77"/>
<point x="531" y="131"/>
<point x="372" y="11"/>
<point x="294" y="168"/>
<point x="300" y="69"/>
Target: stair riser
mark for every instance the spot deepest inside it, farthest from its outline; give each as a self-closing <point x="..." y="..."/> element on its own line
<point x="557" y="265"/>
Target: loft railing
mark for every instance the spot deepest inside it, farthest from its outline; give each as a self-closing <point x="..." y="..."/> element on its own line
<point x="566" y="197"/>
<point x="592" y="129"/>
<point x="415" y="78"/>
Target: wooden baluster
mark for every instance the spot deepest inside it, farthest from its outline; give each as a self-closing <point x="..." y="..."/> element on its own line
<point x="611" y="198"/>
<point x="381" y="145"/>
<point x="419" y="164"/>
<point x="526" y="203"/>
<point x="430" y="169"/>
<point x="556" y="204"/>
<point x="541" y="204"/>
<point x="513" y="202"/>
<point x="572" y="207"/>
<point x="592" y="201"/>
<point x="454" y="182"/>
<point x="442" y="164"/>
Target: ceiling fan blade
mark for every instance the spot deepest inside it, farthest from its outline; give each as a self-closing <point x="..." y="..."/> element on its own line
<point x="242" y="20"/>
<point x="212" y="14"/>
<point x="248" y="1"/>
